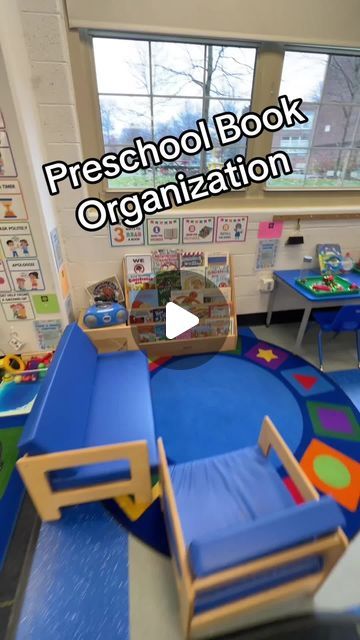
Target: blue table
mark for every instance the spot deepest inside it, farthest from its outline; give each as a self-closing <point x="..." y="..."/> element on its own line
<point x="286" y="280"/>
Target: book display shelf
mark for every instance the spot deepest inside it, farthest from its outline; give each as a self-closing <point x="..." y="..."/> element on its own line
<point x="150" y="281"/>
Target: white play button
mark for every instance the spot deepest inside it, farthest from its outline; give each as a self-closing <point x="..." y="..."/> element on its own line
<point x="178" y="320"/>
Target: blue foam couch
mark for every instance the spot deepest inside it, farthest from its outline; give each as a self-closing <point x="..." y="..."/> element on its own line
<point x="90" y="434"/>
<point x="237" y="537"/>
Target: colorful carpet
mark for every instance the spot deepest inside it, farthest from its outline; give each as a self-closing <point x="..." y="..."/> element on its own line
<point x="218" y="406"/>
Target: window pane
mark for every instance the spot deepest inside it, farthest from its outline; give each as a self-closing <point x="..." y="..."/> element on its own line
<point x="332" y="134"/>
<point x="122" y="66"/>
<point x="159" y="89"/>
<point x="335" y="126"/>
<point x="233" y="71"/>
<point x="123" y="119"/>
<point x="343" y="79"/>
<point x="177" y="68"/>
<point x="325" y="167"/>
<point x="172" y="116"/>
<point x="303" y="75"/>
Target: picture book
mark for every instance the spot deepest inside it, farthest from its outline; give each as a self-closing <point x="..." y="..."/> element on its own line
<point x="165" y="260"/>
<point x="202" y="311"/>
<point x="144" y="281"/>
<point x="140" y="316"/>
<point x="107" y="290"/>
<point x="220" y="327"/>
<point x="159" y="314"/>
<point x="168" y="280"/>
<point x="201" y="331"/>
<point x="185" y="336"/>
<point x="215" y="259"/>
<point x="330" y="257"/>
<point x="193" y="279"/>
<point x="219" y="310"/>
<point x="138" y="264"/>
<point x="215" y="296"/>
<point x="146" y="333"/>
<point x="145" y="298"/>
<point x="160" y="332"/>
<point x="192" y="259"/>
<point x="164" y="296"/>
<point x="218" y="276"/>
<point x="188" y="298"/>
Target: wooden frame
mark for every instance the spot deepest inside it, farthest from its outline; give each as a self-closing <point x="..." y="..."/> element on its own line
<point x="34" y="470"/>
<point x="331" y="547"/>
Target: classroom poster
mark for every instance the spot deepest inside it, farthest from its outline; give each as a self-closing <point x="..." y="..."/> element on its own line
<point x="266" y="254"/>
<point x="5" y="284"/>
<point x="12" y="206"/>
<point x="55" y="241"/>
<point x="48" y="333"/>
<point x="26" y="275"/>
<point x="64" y="281"/>
<point x="268" y="230"/>
<point x="121" y="236"/>
<point x="198" y="229"/>
<point x="231" y="228"/>
<point x="17" y="306"/>
<point x="163" y="231"/>
<point x="16" y="240"/>
<point x="138" y="264"/>
<point x="45" y="303"/>
<point x="4" y="140"/>
<point x="7" y="164"/>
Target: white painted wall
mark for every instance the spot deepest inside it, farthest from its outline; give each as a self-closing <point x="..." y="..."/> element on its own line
<point x="22" y="124"/>
<point x="90" y="255"/>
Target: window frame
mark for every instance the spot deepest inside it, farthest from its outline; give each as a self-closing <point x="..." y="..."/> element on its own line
<point x="265" y="90"/>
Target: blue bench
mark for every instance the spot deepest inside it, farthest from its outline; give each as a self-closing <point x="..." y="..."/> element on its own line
<point x="90" y="434"/>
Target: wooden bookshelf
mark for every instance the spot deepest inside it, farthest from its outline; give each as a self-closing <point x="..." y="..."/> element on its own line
<point x="125" y="338"/>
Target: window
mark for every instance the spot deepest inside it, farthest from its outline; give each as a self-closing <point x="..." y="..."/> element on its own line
<point x="156" y="88"/>
<point x="330" y="88"/>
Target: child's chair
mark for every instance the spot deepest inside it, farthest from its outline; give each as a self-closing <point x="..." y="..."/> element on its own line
<point x="237" y="538"/>
<point x="346" y="319"/>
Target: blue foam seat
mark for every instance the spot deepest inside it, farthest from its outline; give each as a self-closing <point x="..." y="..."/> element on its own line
<point x="90" y="399"/>
<point x="243" y="485"/>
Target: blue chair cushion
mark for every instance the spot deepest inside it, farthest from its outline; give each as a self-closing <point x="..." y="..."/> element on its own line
<point x="120" y="411"/>
<point x="212" y="598"/>
<point x="243" y="542"/>
<point x="59" y="417"/>
<point x="213" y="494"/>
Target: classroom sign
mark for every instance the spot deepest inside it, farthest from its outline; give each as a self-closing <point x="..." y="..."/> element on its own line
<point x="163" y="231"/>
<point x="4" y="280"/>
<point x="16" y="240"/>
<point x="198" y="230"/>
<point x="7" y="164"/>
<point x="121" y="236"/>
<point x="48" y="333"/>
<point x="17" y="306"/>
<point x="26" y="275"/>
<point x="55" y="241"/>
<point x="12" y="206"/>
<point x="231" y="228"/>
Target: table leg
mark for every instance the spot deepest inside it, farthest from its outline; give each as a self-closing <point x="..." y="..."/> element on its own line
<point x="271" y="304"/>
<point x="303" y="325"/>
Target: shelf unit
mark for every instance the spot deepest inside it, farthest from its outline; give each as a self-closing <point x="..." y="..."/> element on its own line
<point x="125" y="337"/>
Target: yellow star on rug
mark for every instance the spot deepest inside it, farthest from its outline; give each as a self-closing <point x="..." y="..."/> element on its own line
<point x="266" y="354"/>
